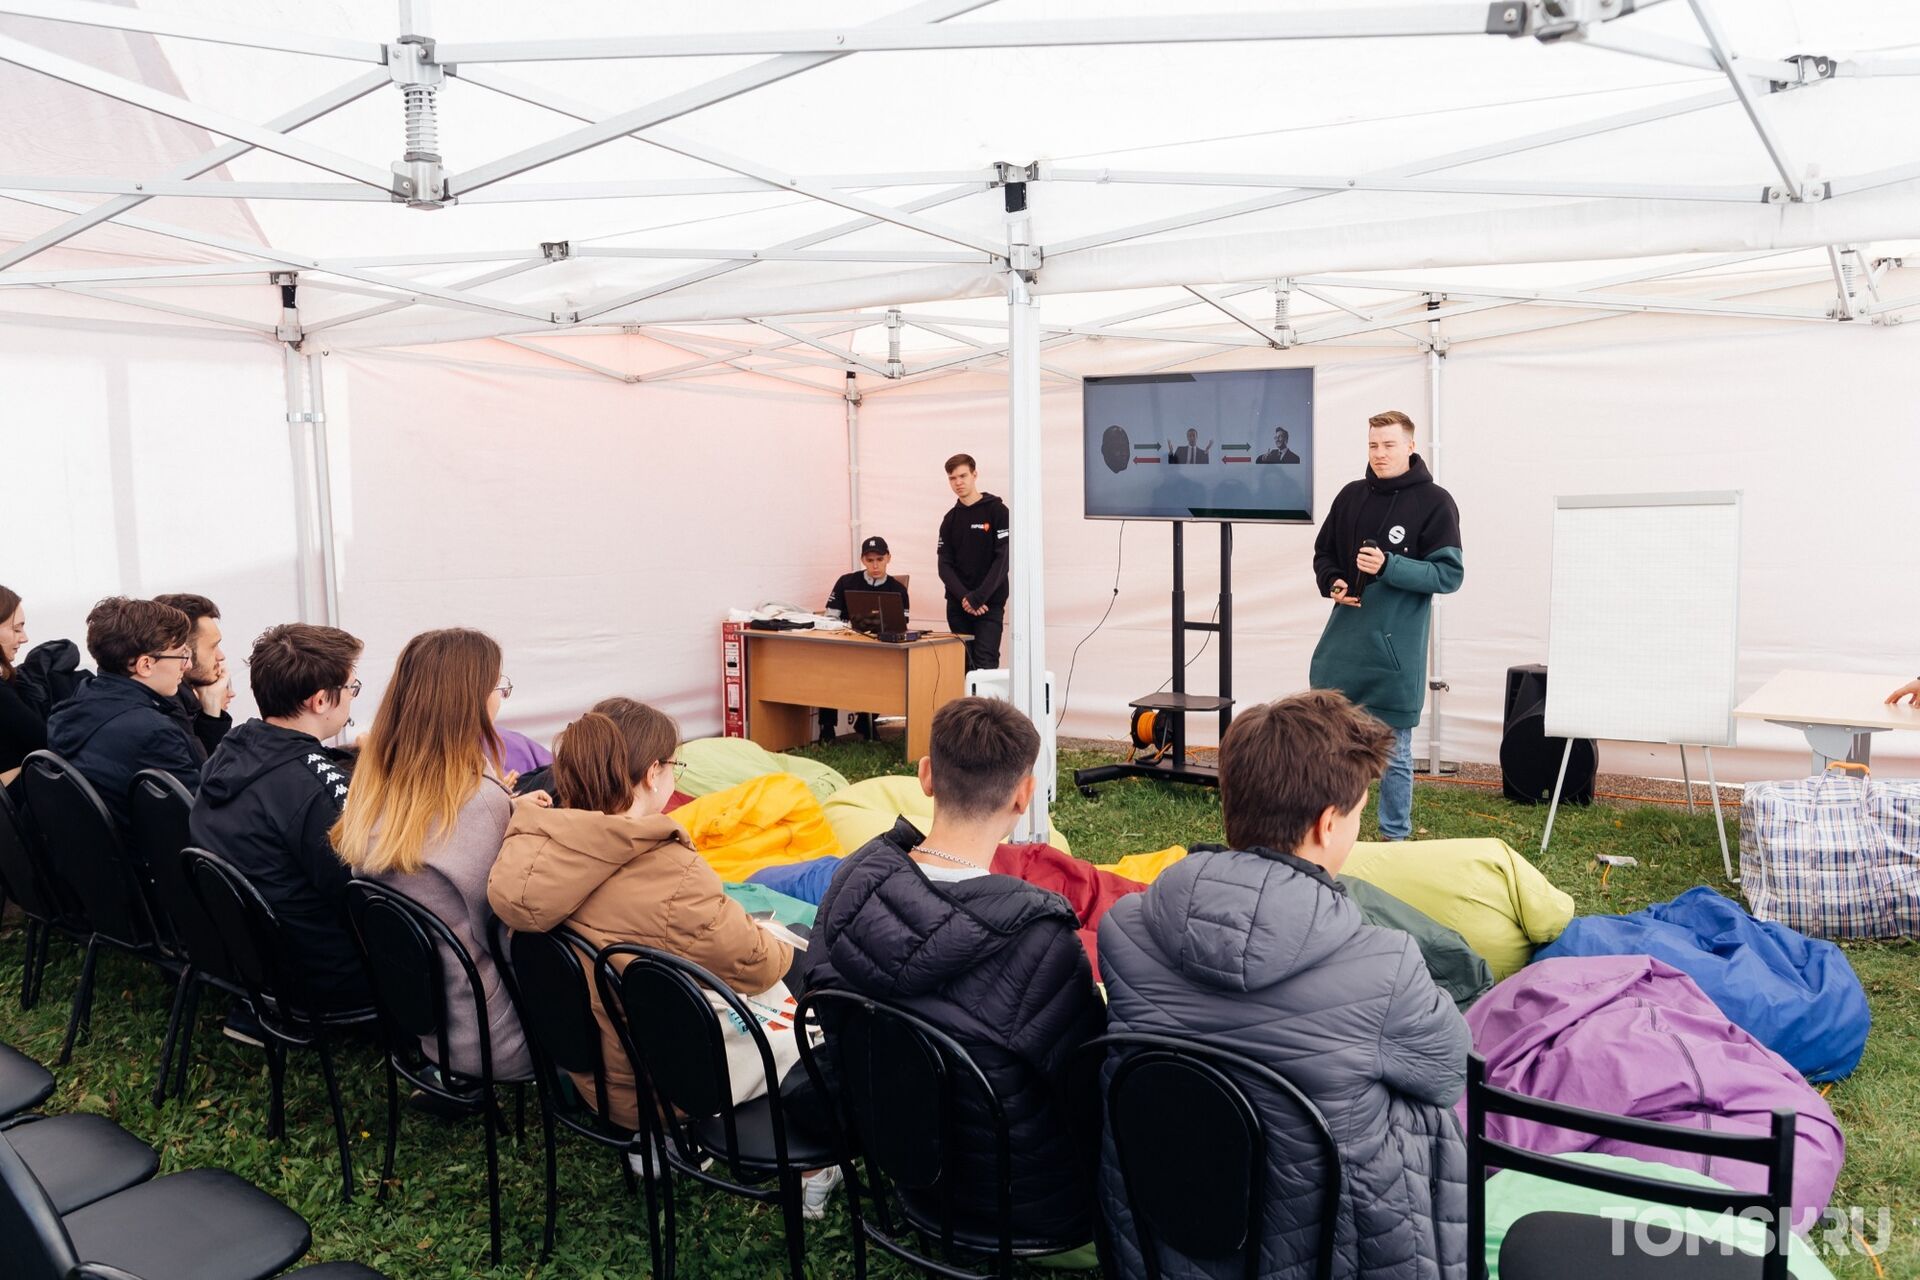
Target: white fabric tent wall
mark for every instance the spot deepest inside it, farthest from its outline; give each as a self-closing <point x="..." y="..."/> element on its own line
<point x="145" y="467"/>
<point x="599" y="531"/>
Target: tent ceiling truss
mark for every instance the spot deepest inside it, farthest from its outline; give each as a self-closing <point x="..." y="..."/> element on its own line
<point x="414" y="63"/>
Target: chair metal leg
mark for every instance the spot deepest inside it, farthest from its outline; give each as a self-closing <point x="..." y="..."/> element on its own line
<point x="488" y="1118"/>
<point x="34" y="931"/>
<point x="173" y="1031"/>
<point x="82" y="998"/>
<point x="188" y="1018"/>
<point x="796" y="1223"/>
<point x="339" y="1120"/>
<point x="859" y="1226"/>
<point x="393" y="1130"/>
<point x="553" y="1173"/>
<point x="276" y="1080"/>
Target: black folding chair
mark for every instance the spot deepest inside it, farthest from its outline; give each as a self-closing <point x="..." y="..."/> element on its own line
<point x="1193" y="1150"/>
<point x="158" y="809"/>
<point x="403" y="947"/>
<point x="666" y="1020"/>
<point x="321" y="1271"/>
<point x="547" y="974"/>
<point x="1540" y="1246"/>
<point x="82" y="851"/>
<point x="897" y="1082"/>
<point x="24" y="882"/>
<point x="254" y="956"/>
<point x="204" y="1223"/>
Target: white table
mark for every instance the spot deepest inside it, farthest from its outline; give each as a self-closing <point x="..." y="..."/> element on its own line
<point x="1839" y="712"/>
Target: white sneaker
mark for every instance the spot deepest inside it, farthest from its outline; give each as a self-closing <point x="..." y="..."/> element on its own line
<point x="815" y="1187"/>
<point x="646" y="1163"/>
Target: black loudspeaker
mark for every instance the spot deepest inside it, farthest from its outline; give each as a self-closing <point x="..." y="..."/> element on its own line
<point x="1529" y="759"/>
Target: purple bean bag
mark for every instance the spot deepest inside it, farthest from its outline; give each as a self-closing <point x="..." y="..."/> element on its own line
<point x="1632" y="1036"/>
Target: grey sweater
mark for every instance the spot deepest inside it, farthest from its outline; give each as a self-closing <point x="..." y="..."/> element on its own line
<point x="453" y="885"/>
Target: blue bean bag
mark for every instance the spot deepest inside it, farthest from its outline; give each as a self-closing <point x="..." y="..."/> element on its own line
<point x="1794" y="994"/>
<point x="806" y="881"/>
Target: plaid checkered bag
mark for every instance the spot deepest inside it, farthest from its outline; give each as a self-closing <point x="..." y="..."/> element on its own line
<point x="1833" y="856"/>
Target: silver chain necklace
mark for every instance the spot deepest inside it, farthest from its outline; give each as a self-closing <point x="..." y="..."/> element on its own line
<point x="947" y="857"/>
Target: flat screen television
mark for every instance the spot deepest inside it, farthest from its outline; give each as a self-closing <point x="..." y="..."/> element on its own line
<point x="1234" y="445"/>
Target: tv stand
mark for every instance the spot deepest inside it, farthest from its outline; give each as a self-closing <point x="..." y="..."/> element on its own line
<point x="1174" y="766"/>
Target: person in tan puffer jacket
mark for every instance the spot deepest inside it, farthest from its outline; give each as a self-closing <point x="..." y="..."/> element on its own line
<point x="607" y="863"/>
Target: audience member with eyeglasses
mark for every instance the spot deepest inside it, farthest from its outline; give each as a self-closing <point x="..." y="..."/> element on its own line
<point x="125" y="720"/>
<point x="426" y="815"/>
<point x="274" y="788"/>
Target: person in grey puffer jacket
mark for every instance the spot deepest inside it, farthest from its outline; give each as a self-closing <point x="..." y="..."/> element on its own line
<point x="1258" y="948"/>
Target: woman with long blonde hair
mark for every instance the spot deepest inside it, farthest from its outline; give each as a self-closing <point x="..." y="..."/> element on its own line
<point x="426" y="814"/>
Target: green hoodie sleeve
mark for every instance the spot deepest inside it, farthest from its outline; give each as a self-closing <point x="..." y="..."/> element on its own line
<point x="1439" y="574"/>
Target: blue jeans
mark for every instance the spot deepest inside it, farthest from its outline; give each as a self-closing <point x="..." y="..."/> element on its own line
<point x="1396" y="789"/>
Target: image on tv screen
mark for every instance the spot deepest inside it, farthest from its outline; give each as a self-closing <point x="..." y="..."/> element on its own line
<point x="1234" y="445"/>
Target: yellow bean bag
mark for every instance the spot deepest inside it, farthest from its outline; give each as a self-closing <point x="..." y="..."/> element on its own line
<point x="714" y="764"/>
<point x="1145" y="867"/>
<point x="767" y="822"/>
<point x="1481" y="889"/>
<point x="870" y="808"/>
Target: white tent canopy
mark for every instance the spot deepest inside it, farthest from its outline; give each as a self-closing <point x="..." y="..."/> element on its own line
<point x="556" y="281"/>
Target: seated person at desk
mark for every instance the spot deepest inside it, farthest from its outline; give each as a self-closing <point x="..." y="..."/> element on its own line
<point x="870" y="576"/>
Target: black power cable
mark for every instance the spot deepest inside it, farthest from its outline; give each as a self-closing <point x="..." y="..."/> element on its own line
<point x="1119" y="548"/>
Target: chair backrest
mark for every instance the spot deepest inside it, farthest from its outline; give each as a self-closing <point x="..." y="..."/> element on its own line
<point x="32" y="1238"/>
<point x="665" y="1014"/>
<point x="548" y="976"/>
<point x="1193" y="1148"/>
<point x="251" y="949"/>
<point x="158" y="810"/>
<point x="1774" y="1150"/>
<point x="82" y="850"/>
<point x="400" y="945"/>
<point x="897" y="1080"/>
<point x="21" y="874"/>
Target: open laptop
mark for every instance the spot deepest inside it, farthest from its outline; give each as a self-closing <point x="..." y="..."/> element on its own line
<point x="877" y="613"/>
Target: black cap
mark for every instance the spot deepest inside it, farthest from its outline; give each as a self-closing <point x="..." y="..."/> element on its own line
<point x="874" y="547"/>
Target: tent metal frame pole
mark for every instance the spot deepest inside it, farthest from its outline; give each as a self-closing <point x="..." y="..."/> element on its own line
<point x="92" y="14"/>
<point x="1027" y="624"/>
<point x="1791" y="178"/>
<point x="1440" y="18"/>
<point x="205" y="162"/>
<point x="299" y="441"/>
<point x="620" y="124"/>
<point x="1436" y="664"/>
<point x="323" y="487"/>
<point x="1414" y="168"/>
<point x="854" y="531"/>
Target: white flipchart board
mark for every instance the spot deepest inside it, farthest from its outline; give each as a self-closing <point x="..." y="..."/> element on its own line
<point x="1644" y="623"/>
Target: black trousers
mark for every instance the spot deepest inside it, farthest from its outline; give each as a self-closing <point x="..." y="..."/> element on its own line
<point x="984" y="653"/>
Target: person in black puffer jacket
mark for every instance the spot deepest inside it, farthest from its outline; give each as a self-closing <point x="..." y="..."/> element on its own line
<point x="991" y="960"/>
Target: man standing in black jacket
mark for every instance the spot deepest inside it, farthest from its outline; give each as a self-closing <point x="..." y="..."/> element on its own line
<point x="973" y="563"/>
<point x="273" y="789"/>
<point x="206" y="690"/>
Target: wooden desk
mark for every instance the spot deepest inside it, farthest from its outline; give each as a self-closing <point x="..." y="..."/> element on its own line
<point x="789" y="672"/>
<point x="1839" y="712"/>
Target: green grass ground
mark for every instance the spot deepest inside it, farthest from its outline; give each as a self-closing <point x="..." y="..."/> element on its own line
<point x="434" y="1220"/>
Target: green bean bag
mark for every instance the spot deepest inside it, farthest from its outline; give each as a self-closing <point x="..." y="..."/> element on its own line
<point x="867" y="809"/>
<point x="1481" y="889"/>
<point x="1512" y="1195"/>
<point x="714" y="764"/>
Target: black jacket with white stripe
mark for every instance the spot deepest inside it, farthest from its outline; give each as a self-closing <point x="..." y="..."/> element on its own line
<point x="267" y="799"/>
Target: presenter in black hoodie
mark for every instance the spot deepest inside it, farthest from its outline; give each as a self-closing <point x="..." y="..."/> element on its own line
<point x="973" y="563"/>
<point x="273" y="789"/>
